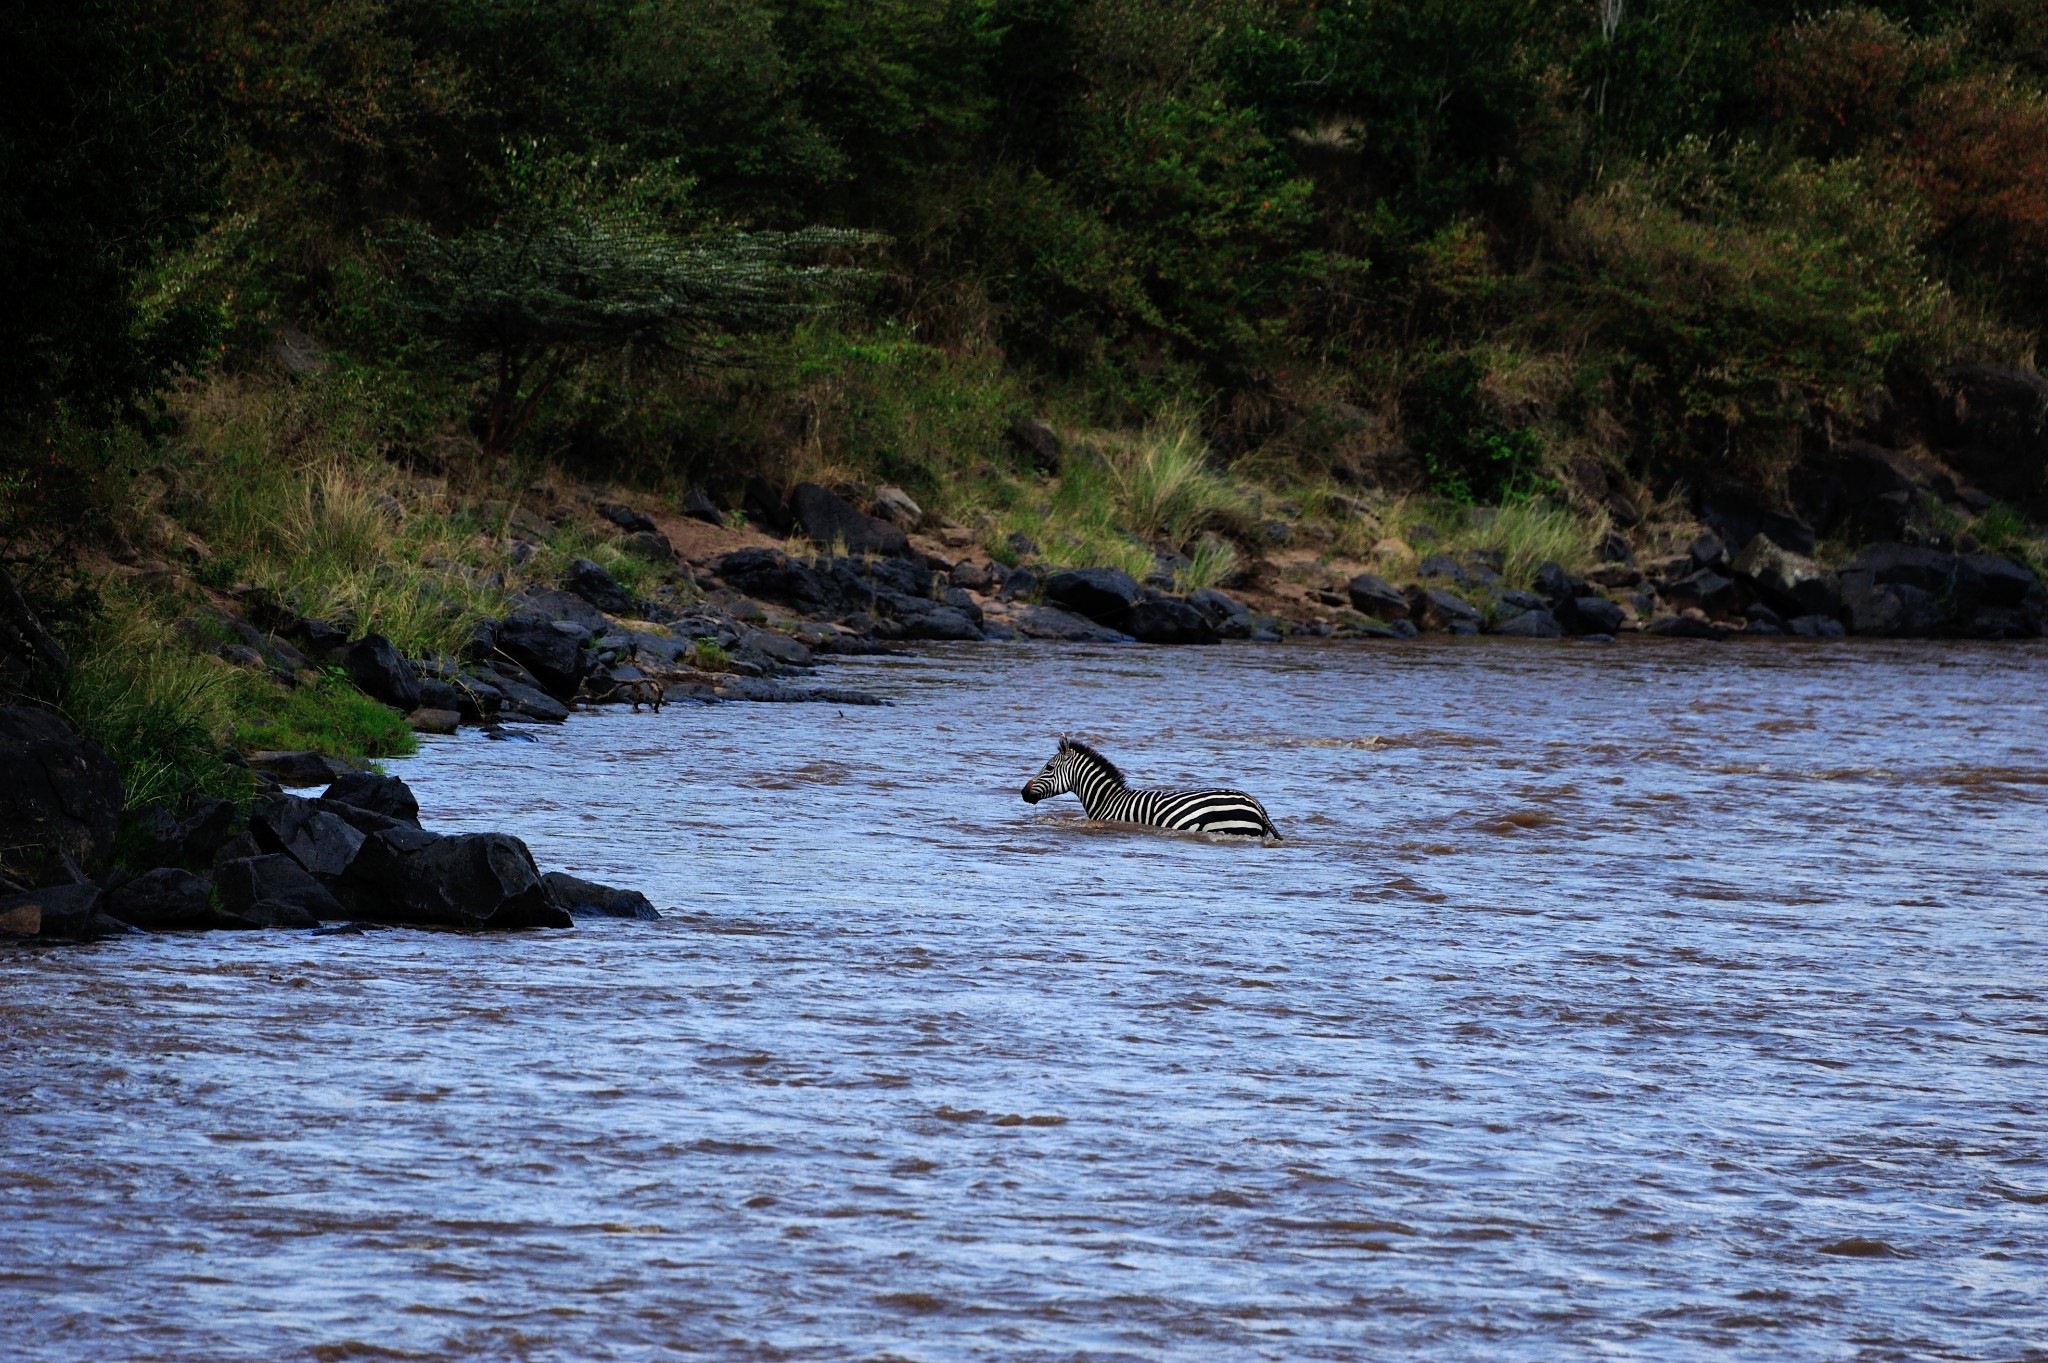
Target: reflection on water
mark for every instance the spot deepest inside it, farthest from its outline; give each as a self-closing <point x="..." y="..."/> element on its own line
<point x="1637" y="1002"/>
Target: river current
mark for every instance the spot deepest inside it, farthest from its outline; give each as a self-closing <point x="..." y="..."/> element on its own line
<point x="1628" y="1001"/>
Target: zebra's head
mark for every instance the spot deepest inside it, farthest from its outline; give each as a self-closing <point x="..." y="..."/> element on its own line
<point x="1069" y="766"/>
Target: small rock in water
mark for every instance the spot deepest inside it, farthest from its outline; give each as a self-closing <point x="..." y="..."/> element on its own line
<point x="586" y="898"/>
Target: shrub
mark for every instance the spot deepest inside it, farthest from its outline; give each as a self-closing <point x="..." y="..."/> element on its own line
<point x="1163" y="485"/>
<point x="1741" y="297"/>
<point x="163" y="712"/>
<point x="1471" y="454"/>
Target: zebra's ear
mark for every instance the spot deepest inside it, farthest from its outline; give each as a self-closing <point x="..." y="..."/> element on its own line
<point x="1065" y="743"/>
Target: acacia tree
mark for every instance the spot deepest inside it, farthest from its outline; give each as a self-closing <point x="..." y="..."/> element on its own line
<point x="531" y="300"/>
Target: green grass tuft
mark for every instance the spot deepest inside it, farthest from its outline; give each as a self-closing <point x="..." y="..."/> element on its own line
<point x="162" y="712"/>
<point x="327" y="715"/>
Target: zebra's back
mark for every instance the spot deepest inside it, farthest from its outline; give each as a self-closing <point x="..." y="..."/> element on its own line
<point x="1197" y="811"/>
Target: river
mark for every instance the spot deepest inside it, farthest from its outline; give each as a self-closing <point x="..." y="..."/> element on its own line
<point x="1628" y="1001"/>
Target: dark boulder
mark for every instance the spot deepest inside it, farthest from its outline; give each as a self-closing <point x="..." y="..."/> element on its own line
<point x="386" y="795"/>
<point x="1863" y="491"/>
<point x="1530" y="624"/>
<point x="560" y="607"/>
<point x="1708" y="590"/>
<point x="1790" y="581"/>
<point x="1815" y="627"/>
<point x="478" y="698"/>
<point x="1443" y="565"/>
<point x="59" y="911"/>
<point x="556" y="659"/>
<point x="294" y="769"/>
<point x="1591" y="615"/>
<point x="938" y="623"/>
<point x="60" y="794"/>
<point x="150" y="837"/>
<point x="581" y="898"/>
<point x="698" y="505"/>
<point x="1168" y="621"/>
<point x="1556" y="586"/>
<point x="1435" y="608"/>
<point x="1709" y="551"/>
<point x="829" y="519"/>
<point x="320" y="639"/>
<point x="1686" y="627"/>
<point x="1894" y="609"/>
<point x="591" y="582"/>
<point x="907" y="576"/>
<point x="322" y="842"/>
<point x="1616" y="548"/>
<point x="1737" y="517"/>
<point x="364" y="821"/>
<point x="528" y="702"/>
<point x="1993" y="423"/>
<point x="764" y="506"/>
<point x="651" y="545"/>
<point x="476" y="881"/>
<point x="1228" y="616"/>
<point x="375" y="664"/>
<point x="1375" y="596"/>
<point x="1998" y="580"/>
<point x="1104" y="595"/>
<point x="267" y="913"/>
<point x="162" y="900"/>
<point x="975" y="577"/>
<point x="204" y="829"/>
<point x="1931" y="570"/>
<point x="1050" y="622"/>
<point x="779" y="648"/>
<point x="773" y="575"/>
<point x="482" y="642"/>
<point x="626" y="518"/>
<point x="1036" y="442"/>
<point x="277" y="880"/>
<point x="436" y="694"/>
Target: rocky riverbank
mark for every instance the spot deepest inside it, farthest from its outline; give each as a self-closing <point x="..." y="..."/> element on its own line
<point x="739" y="613"/>
<point x="353" y="856"/>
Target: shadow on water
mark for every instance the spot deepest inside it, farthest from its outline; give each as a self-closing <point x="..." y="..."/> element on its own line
<point x="1647" y="1002"/>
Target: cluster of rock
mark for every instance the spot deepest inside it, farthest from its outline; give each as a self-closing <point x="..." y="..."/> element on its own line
<point x="1765" y="589"/>
<point x="588" y="640"/>
<point x="355" y="854"/>
<point x="1768" y="588"/>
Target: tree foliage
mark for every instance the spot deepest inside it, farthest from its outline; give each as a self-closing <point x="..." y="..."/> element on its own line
<point x="535" y="297"/>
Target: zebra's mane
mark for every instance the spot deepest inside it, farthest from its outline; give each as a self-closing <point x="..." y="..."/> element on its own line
<point x="1082" y="748"/>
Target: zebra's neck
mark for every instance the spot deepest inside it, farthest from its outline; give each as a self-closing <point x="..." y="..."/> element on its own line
<point x="1095" y="787"/>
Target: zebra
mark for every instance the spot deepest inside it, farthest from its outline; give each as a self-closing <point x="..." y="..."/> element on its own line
<point x="1107" y="796"/>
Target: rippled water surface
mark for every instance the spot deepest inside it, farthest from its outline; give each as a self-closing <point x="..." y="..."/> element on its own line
<point x="1633" y="1002"/>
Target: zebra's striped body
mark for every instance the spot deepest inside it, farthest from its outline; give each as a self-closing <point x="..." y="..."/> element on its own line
<point x="1106" y="796"/>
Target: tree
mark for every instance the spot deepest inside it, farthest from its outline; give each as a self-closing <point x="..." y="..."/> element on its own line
<point x="532" y="299"/>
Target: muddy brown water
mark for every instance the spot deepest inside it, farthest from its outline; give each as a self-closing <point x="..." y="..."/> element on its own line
<point x="1630" y="1002"/>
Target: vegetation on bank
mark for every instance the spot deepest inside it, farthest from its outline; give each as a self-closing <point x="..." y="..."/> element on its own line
<point x="309" y="295"/>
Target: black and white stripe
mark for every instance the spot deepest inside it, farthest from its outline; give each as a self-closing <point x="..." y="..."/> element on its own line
<point x="1106" y="796"/>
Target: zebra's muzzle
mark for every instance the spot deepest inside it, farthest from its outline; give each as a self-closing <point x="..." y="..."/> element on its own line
<point x="1031" y="797"/>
